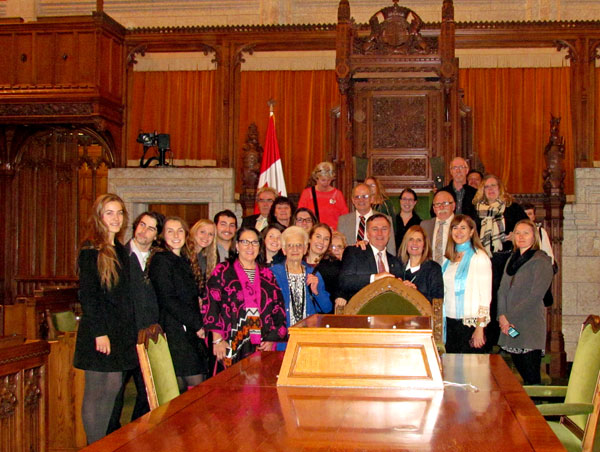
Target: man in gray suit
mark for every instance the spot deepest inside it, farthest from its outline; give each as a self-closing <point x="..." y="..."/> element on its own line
<point x="353" y="225"/>
<point x="437" y="228"/>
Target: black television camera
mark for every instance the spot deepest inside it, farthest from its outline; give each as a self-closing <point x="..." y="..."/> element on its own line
<point x="162" y="141"/>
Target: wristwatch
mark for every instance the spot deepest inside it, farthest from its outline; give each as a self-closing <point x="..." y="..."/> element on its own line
<point x="481" y="324"/>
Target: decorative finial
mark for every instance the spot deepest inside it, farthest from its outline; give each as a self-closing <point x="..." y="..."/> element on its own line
<point x="271" y="103"/>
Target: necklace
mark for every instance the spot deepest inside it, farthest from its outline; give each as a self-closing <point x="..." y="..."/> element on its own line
<point x="297" y="286"/>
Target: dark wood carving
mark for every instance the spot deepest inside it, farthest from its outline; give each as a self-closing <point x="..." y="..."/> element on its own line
<point x="399" y="122"/>
<point x="46" y="109"/>
<point x="251" y="158"/>
<point x="8" y="395"/>
<point x="395" y="30"/>
<point x="400" y="167"/>
<point x="33" y="391"/>
<point x="554" y="202"/>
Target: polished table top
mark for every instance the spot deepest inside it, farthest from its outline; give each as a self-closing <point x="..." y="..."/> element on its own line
<point x="243" y="409"/>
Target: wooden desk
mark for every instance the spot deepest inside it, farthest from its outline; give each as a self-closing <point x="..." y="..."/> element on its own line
<point x="242" y="409"/>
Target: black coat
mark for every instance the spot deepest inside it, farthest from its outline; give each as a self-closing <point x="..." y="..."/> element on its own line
<point x="428" y="279"/>
<point x="467" y="203"/>
<point x="401" y="229"/>
<point x="105" y="313"/>
<point x="179" y="311"/>
<point x="330" y="268"/>
<point x="141" y="293"/>
<point x="357" y="268"/>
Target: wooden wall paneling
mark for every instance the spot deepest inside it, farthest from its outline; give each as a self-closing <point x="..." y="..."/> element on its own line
<point x="86" y="57"/>
<point x="6" y="56"/>
<point x="65" y="58"/>
<point x="23" y="63"/>
<point x="44" y="62"/>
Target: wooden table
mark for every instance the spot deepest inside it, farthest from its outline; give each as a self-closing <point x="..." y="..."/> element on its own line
<point x="242" y="409"/>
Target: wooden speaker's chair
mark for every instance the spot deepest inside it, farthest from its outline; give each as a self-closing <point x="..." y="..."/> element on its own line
<point x="156" y="366"/>
<point x="390" y="296"/>
<point x="580" y="394"/>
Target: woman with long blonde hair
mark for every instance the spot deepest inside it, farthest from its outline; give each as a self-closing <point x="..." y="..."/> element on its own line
<point x="106" y="337"/>
<point x="202" y="243"/>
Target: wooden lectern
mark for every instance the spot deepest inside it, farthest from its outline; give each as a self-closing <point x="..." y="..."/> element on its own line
<point x="362" y="351"/>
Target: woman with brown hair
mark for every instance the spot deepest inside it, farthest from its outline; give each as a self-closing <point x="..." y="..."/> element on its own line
<point x="420" y="271"/>
<point x="467" y="288"/>
<point x="178" y="282"/>
<point x="106" y="337"/>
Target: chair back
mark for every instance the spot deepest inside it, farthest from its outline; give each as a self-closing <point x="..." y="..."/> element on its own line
<point x="591" y="434"/>
<point x="390" y="296"/>
<point x="586" y="368"/>
<point x="64" y="321"/>
<point x="156" y="366"/>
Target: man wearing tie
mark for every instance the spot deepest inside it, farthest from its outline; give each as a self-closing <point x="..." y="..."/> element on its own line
<point x="362" y="267"/>
<point x="437" y="227"/>
<point x="264" y="198"/>
<point x="354" y="225"/>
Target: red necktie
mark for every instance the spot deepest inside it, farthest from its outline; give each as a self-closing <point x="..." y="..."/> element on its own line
<point x="361" y="229"/>
<point x="380" y="266"/>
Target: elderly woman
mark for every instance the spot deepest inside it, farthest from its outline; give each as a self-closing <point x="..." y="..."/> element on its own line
<point x="321" y="258"/>
<point x="303" y="289"/>
<point x="203" y="245"/>
<point x="407" y="216"/>
<point x="521" y="312"/>
<point x="420" y="271"/>
<point x="379" y="199"/>
<point x="304" y="218"/>
<point x="467" y="288"/>
<point x="281" y="211"/>
<point x="245" y="310"/>
<point x="322" y="198"/>
<point x="178" y="285"/>
<point x="106" y="338"/>
<point x="270" y="248"/>
<point x="498" y="215"/>
<point x="338" y="244"/>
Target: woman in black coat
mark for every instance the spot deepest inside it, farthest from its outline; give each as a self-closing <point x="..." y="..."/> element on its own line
<point x="106" y="337"/>
<point x="420" y="272"/>
<point x="176" y="277"/>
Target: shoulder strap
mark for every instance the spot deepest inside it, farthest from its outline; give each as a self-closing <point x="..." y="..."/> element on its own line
<point x="316" y="204"/>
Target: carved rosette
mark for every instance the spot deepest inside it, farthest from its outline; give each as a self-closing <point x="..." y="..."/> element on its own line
<point x="8" y="395"/>
<point x="32" y="389"/>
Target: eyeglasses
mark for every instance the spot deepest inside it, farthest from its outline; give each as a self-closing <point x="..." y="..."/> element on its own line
<point x="297" y="246"/>
<point x="442" y="204"/>
<point x="337" y="247"/>
<point x="407" y="199"/>
<point x="361" y="196"/>
<point x="304" y="220"/>
<point x="456" y="168"/>
<point x="268" y="201"/>
<point x="249" y="242"/>
<point x="491" y="186"/>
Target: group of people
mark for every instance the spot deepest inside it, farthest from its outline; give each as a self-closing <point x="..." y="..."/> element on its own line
<point x="220" y="292"/>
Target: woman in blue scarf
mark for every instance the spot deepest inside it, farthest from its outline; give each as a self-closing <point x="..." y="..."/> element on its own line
<point x="467" y="288"/>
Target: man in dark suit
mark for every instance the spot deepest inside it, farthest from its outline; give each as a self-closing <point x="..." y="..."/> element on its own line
<point x="146" y="228"/>
<point x="462" y="192"/>
<point x="362" y="267"/>
<point x="264" y="198"/>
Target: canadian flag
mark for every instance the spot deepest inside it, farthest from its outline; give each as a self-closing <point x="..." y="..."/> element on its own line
<point x="271" y="172"/>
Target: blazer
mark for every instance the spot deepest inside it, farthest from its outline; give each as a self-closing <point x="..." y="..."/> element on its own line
<point x="467" y="204"/>
<point x="250" y="220"/>
<point x="429" y="226"/>
<point x="347" y="226"/>
<point x="428" y="279"/>
<point x="179" y="311"/>
<point x="105" y="313"/>
<point x="142" y="293"/>
<point x="401" y="229"/>
<point x="357" y="267"/>
<point x="314" y="303"/>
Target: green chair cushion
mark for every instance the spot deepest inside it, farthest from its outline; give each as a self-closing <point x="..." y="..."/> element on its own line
<point x="566" y="437"/>
<point x="64" y="321"/>
<point x="163" y="372"/>
<point x="388" y="303"/>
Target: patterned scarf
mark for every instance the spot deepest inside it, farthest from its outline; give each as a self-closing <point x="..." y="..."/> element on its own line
<point x="492" y="225"/>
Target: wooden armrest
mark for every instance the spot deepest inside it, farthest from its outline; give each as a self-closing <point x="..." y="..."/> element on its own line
<point x="545" y="391"/>
<point x="565" y="409"/>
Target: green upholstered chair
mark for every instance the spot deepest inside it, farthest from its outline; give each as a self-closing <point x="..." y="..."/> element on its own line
<point x="64" y="321"/>
<point x="389" y="296"/>
<point x="156" y="366"/>
<point x="580" y="392"/>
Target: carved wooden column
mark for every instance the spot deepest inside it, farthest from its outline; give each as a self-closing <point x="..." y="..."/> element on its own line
<point x="582" y="53"/>
<point x="554" y="202"/>
<point x="343" y="161"/>
<point x="251" y="158"/>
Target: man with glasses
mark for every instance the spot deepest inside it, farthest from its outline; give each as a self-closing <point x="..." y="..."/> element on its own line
<point x="264" y="198"/>
<point x="462" y="192"/>
<point x="360" y="267"/>
<point x="353" y="225"/>
<point x="437" y="228"/>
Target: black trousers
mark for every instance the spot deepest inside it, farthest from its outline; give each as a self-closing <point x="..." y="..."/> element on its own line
<point x="141" y="401"/>
<point x="528" y="365"/>
<point x="458" y="337"/>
